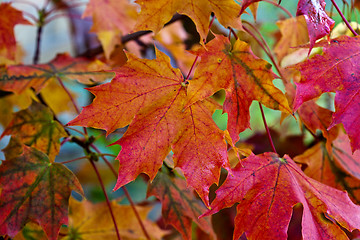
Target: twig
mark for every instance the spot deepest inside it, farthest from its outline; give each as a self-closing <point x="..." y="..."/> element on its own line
<point x="74" y="160"/>
<point x="265" y="47"/>
<point x="75" y="130"/>
<point x="128" y="37"/>
<point x="197" y="57"/>
<point x="126" y="193"/>
<point x="37" y="44"/>
<point x="106" y="197"/>
<point x="343" y="18"/>
<point x="69" y="95"/>
<point x="71" y="99"/>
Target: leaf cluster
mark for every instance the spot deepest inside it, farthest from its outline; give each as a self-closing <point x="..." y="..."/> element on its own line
<point x="161" y="77"/>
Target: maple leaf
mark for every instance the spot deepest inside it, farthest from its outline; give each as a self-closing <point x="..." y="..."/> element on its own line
<point x="249" y="3"/>
<point x="179" y="205"/>
<point x="34" y="189"/>
<point x="334" y="71"/>
<point x="13" y="149"/>
<point x="11" y="101"/>
<point x="293" y="33"/>
<point x="111" y="19"/>
<point x="150" y="95"/>
<point x="9" y="18"/>
<point x="57" y="98"/>
<point x="94" y="221"/>
<point x="268" y="187"/>
<point x="18" y="78"/>
<point x="318" y="22"/>
<point x="111" y="15"/>
<point x="155" y="13"/>
<point x="36" y="127"/>
<point x="338" y="168"/>
<point x="243" y="76"/>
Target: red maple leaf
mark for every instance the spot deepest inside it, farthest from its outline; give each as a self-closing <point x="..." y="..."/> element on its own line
<point x="9" y="17"/>
<point x="267" y="187"/>
<point x="318" y="22"/>
<point x="151" y="95"/>
<point x="244" y="77"/>
<point x="335" y="71"/>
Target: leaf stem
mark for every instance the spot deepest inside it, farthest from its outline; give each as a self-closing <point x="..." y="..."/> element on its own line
<point x="233" y="33"/>
<point x="37" y="44"/>
<point x="279" y="6"/>
<point x="58" y="15"/>
<point x="260" y="35"/>
<point x="265" y="47"/>
<point x="106" y="197"/>
<point x="71" y="99"/>
<point x="191" y="69"/>
<point x="79" y="4"/>
<point x="69" y="95"/>
<point x="267" y="128"/>
<point x="197" y="57"/>
<point x="32" y="17"/>
<point x="75" y="159"/>
<point x="343" y="18"/>
<point x="132" y="204"/>
<point x="75" y="130"/>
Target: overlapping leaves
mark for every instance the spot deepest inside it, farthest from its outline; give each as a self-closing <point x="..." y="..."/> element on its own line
<point x="335" y="71"/>
<point x="318" y="22"/>
<point x="179" y="205"/>
<point x="267" y="187"/>
<point x="155" y="13"/>
<point x="18" y="78"/>
<point x="166" y="112"/>
<point x="338" y="168"/>
<point x="244" y="77"/>
<point x="36" y="127"/>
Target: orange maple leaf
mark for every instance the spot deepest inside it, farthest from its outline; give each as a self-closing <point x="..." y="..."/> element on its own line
<point x="151" y="95"/>
<point x="93" y="221"/>
<point x="155" y="13"/>
<point x="111" y="18"/>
